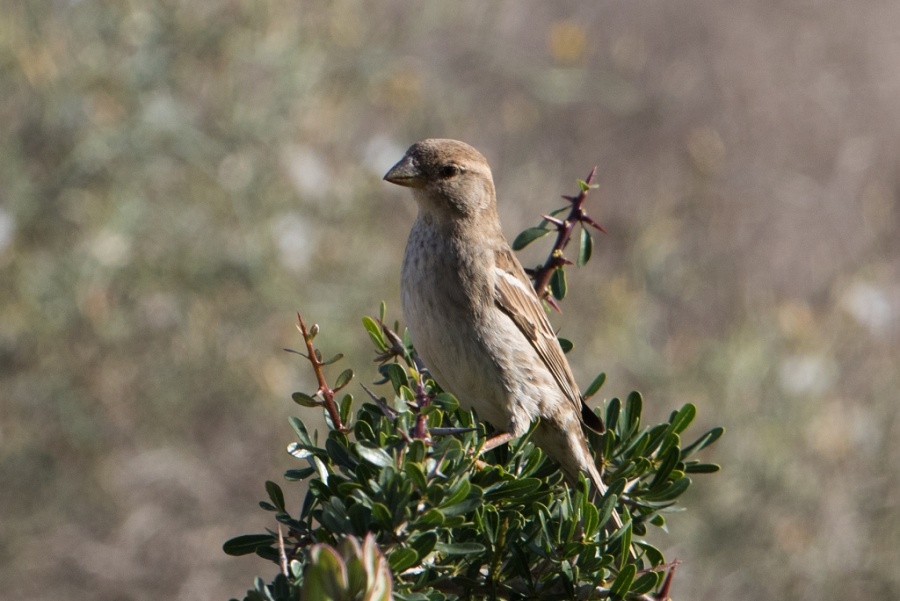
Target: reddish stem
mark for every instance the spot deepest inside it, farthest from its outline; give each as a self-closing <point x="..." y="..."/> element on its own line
<point x="564" y="229"/>
<point x="326" y="391"/>
<point x="422" y="401"/>
<point x="663" y="594"/>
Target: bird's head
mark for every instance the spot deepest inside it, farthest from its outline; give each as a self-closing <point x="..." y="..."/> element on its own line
<point x="450" y="179"/>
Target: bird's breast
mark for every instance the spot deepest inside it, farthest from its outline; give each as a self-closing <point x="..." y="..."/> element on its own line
<point x="446" y="307"/>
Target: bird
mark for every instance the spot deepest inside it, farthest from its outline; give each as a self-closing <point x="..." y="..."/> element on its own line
<point x="474" y="317"/>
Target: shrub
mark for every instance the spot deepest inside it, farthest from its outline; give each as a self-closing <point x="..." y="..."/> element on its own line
<point x="401" y="503"/>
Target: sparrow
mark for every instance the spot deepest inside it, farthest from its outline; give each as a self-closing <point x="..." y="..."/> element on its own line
<point x="474" y="317"/>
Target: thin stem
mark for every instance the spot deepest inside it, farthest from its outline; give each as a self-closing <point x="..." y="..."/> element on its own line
<point x="326" y="391"/>
<point x="422" y="401"/>
<point x="564" y="229"/>
<point x="282" y="556"/>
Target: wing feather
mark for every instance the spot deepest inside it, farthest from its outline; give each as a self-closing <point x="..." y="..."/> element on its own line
<point x="515" y="296"/>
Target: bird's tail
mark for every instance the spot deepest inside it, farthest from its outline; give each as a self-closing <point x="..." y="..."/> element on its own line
<point x="593" y="474"/>
<point x="571" y="451"/>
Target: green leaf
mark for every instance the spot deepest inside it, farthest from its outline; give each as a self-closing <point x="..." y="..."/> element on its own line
<point x="340" y="454"/>
<point x="375" y="333"/>
<point x="374" y="455"/>
<point x="346" y="408"/>
<point x="299" y="474"/>
<point x="703" y="441"/>
<point x="415" y="473"/>
<point x="458" y="491"/>
<point x="247" y="544"/>
<point x="326" y="574"/>
<point x="606" y="509"/>
<point x="623" y="581"/>
<point x="459" y="548"/>
<point x="334" y="359"/>
<point x="512" y="489"/>
<point x="432" y="518"/>
<point x="528" y="236"/>
<point x="591" y="518"/>
<point x="396" y="374"/>
<point x="415" y="451"/>
<point x="670" y="441"/>
<point x="356" y="570"/>
<point x="363" y="431"/>
<point x="668" y="463"/>
<point x="446" y="401"/>
<point x="584" y="186"/>
<point x="595" y="386"/>
<point x="653" y="555"/>
<point x="343" y="379"/>
<point x="300" y="451"/>
<point x="636" y="449"/>
<point x="566" y="344"/>
<point x="682" y="418"/>
<point x="301" y="398"/>
<point x="275" y="494"/>
<point x="585" y="247"/>
<point x="657" y="435"/>
<point x="672" y="491"/>
<point x="645" y="583"/>
<point x="701" y="468"/>
<point x="382" y="515"/>
<point x="463" y="507"/>
<point x="625" y="542"/>
<point x="634" y="406"/>
<point x="558" y="284"/>
<point x="300" y="430"/>
<point x="613" y="408"/>
<point x="423" y="544"/>
<point x="402" y="559"/>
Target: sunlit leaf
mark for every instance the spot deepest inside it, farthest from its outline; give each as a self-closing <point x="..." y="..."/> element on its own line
<point x="622" y="583"/>
<point x="682" y="418"/>
<point x="343" y="379"/>
<point x="528" y="236"/>
<point x="275" y="494"/>
<point x="595" y="385"/>
<point x="301" y="398"/>
<point x="402" y="559"/>
<point x="459" y="548"/>
<point x="701" y="468"/>
<point x="375" y="333"/>
<point x="558" y="286"/>
<point x="585" y="247"/>
<point x="374" y="455"/>
<point x="247" y="544"/>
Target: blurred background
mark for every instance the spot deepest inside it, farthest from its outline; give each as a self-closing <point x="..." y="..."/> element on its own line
<point x="179" y="178"/>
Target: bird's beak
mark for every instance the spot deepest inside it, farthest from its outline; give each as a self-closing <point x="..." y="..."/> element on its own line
<point x="405" y="173"/>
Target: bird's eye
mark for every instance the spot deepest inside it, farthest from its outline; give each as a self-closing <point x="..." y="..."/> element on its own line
<point x="448" y="171"/>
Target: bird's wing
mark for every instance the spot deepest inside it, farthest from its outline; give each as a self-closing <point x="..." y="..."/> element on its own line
<point x="515" y="296"/>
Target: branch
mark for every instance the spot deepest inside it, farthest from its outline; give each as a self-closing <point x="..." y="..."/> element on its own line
<point x="541" y="275"/>
<point x="315" y="360"/>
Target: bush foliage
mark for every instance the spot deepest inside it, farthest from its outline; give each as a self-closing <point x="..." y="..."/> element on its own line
<point x="402" y="503"/>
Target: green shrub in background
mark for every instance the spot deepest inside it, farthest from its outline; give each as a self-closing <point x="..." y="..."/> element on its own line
<point x="401" y="503"/>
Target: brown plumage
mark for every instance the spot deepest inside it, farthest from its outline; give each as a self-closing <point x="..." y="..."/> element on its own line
<point x="473" y="315"/>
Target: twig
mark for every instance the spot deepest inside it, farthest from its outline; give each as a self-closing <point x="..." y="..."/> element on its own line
<point x="663" y="594"/>
<point x="423" y="399"/>
<point x="389" y="412"/>
<point x="282" y="556"/>
<point x="324" y="389"/>
<point x="564" y="228"/>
